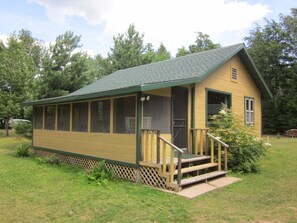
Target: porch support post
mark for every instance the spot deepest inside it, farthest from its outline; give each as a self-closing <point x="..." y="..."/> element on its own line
<point x="138" y="133"/>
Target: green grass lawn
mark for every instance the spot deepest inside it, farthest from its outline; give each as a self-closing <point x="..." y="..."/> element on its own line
<point x="30" y="192"/>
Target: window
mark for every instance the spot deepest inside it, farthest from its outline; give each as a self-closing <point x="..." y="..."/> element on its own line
<point x="157" y="113"/>
<point x="100" y="116"/>
<point x="80" y="117"/>
<point x="50" y="117"/>
<point x="38" y="117"/>
<point x="124" y="115"/>
<point x="249" y="111"/>
<point x="64" y="117"/>
<point x="215" y="100"/>
<point x="233" y="74"/>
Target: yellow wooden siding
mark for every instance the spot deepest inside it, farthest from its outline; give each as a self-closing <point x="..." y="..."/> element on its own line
<point x="119" y="147"/>
<point x="165" y="92"/>
<point x="221" y="80"/>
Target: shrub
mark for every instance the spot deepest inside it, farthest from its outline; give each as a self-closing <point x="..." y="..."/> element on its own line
<point x="22" y="150"/>
<point x="23" y="128"/>
<point x="51" y="159"/>
<point x="245" y="150"/>
<point x="99" y="174"/>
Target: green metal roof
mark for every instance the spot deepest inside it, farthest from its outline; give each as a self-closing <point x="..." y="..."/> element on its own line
<point x="182" y="70"/>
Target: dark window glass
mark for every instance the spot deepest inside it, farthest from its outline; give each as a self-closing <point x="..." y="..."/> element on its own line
<point x="38" y="117"/>
<point x="100" y="116"/>
<point x="80" y="117"/>
<point x="50" y="117"/>
<point x="215" y="101"/>
<point x="64" y="117"/>
<point x="124" y="115"/>
<point x="156" y="113"/>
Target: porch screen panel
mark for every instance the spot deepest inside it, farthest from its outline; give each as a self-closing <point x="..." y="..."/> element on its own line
<point x="80" y="117"/>
<point x="156" y="113"/>
<point x="38" y="117"/>
<point x="64" y="117"/>
<point x="124" y="115"/>
<point x="100" y="116"/>
<point x="50" y="117"/>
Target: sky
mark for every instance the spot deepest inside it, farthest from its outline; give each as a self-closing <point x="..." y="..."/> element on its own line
<point x="171" y="22"/>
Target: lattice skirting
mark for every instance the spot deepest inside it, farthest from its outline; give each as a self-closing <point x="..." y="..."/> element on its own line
<point x="124" y="172"/>
<point x="150" y="176"/>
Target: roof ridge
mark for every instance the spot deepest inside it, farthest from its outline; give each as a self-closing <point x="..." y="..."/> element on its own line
<point x="179" y="58"/>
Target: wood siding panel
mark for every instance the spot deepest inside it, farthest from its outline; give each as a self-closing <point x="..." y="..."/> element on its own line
<point x="221" y="80"/>
<point x="165" y="92"/>
<point x="118" y="147"/>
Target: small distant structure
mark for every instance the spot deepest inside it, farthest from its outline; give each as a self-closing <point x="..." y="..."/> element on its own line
<point x="291" y="133"/>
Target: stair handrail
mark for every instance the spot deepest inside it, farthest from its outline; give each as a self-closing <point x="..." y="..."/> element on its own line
<point x="171" y="168"/>
<point x="220" y="143"/>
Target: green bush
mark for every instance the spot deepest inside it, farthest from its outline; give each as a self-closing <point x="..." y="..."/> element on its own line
<point x="22" y="150"/>
<point x="51" y="159"/>
<point x="245" y="149"/>
<point x="99" y="174"/>
<point x="23" y="128"/>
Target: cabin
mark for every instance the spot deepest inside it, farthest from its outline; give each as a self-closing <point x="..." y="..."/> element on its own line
<point x="150" y="122"/>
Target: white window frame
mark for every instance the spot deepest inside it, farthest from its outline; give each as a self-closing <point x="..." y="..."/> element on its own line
<point x="249" y="110"/>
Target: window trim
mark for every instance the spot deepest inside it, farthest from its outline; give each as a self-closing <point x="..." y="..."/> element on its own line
<point x="249" y="99"/>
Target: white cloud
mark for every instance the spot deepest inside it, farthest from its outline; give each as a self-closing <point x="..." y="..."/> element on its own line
<point x="173" y="22"/>
<point x="4" y="38"/>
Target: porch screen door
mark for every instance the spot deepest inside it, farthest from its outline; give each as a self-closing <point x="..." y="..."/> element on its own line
<point x="180" y="116"/>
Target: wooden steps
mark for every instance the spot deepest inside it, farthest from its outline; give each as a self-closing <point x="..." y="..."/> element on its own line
<point x="199" y="178"/>
<point x="196" y="168"/>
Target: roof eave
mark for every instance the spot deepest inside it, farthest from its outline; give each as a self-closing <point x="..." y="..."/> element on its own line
<point x="256" y="75"/>
<point x="73" y="98"/>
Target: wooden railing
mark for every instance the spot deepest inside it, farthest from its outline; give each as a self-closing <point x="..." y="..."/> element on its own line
<point x="215" y="140"/>
<point x="153" y="146"/>
<point x="199" y="145"/>
<point x="198" y="142"/>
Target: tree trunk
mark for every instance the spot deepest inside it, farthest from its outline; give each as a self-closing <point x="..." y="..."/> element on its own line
<point x="6" y="127"/>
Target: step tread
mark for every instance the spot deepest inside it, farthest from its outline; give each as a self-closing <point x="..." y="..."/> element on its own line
<point x="196" y="168"/>
<point x="202" y="177"/>
<point x="199" y="158"/>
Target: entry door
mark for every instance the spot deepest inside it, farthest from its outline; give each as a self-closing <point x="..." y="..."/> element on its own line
<point x="180" y="116"/>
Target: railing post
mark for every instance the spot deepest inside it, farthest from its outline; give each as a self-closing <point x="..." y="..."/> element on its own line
<point x="226" y="159"/>
<point x="164" y="156"/>
<point x="212" y="150"/>
<point x="151" y="146"/>
<point x="190" y="141"/>
<point x="201" y="142"/>
<point x="171" y="173"/>
<point x="179" y="176"/>
<point x="219" y="156"/>
<point x="195" y="142"/>
<point x="147" y="150"/>
<point x="206" y="142"/>
<point x="158" y="146"/>
<point x="142" y="146"/>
